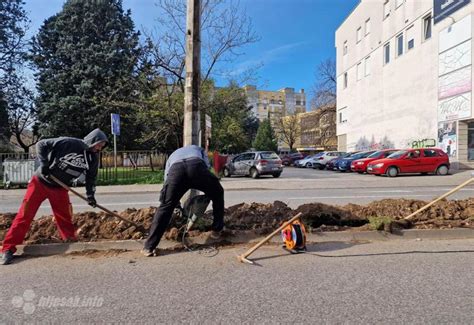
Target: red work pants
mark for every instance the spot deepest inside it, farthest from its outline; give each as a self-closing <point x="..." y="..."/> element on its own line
<point x="36" y="193"/>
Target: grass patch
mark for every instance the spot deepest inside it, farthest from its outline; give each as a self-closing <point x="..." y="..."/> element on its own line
<point x="128" y="176"/>
<point x="379" y="223"/>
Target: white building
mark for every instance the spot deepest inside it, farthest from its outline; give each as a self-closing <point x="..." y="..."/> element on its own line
<point x="404" y="77"/>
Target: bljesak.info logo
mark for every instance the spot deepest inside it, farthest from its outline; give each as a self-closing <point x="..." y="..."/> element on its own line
<point x="29" y="302"/>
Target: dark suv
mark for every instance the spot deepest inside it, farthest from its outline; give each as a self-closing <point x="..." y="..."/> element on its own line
<point x="254" y="163"/>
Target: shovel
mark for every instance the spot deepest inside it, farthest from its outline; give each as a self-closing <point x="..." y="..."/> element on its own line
<point x="139" y="227"/>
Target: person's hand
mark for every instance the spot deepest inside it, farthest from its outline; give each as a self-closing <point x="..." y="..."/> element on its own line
<point x="45" y="171"/>
<point x="91" y="201"/>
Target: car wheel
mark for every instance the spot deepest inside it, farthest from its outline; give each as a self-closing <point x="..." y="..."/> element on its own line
<point x="276" y="175"/>
<point x="308" y="165"/>
<point x="226" y="172"/>
<point x="442" y="170"/>
<point x="392" y="171"/>
<point x="360" y="172"/>
<point x="254" y="173"/>
<point x="321" y="167"/>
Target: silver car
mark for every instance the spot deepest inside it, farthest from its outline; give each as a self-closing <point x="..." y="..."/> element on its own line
<point x="254" y="163"/>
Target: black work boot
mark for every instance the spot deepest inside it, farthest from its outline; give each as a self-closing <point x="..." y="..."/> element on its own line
<point x="7" y="258"/>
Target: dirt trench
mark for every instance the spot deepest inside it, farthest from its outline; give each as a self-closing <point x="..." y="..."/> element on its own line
<point x="260" y="218"/>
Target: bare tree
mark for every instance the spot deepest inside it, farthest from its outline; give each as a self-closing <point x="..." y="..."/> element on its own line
<point x="327" y="127"/>
<point x="288" y="129"/>
<point x="21" y="109"/>
<point x="324" y="88"/>
<point x="225" y="29"/>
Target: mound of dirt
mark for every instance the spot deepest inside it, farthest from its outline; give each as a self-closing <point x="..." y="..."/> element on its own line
<point x="260" y="218"/>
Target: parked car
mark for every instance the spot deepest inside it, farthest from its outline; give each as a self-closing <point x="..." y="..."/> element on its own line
<point x="424" y="161"/>
<point x="333" y="163"/>
<point x="345" y="163"/>
<point x="360" y="165"/>
<point x="254" y="163"/>
<point x="307" y="162"/>
<point x="321" y="161"/>
<point x="289" y="160"/>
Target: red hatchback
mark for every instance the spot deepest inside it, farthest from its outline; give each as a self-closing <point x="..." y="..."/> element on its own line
<point x="360" y="165"/>
<point x="426" y="160"/>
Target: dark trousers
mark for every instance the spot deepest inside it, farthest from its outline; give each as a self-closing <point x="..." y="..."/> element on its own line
<point x="183" y="176"/>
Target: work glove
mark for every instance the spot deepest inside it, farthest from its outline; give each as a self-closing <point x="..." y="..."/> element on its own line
<point x="91" y="201"/>
<point x="45" y="170"/>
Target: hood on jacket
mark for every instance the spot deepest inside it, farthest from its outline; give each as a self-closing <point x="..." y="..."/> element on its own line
<point x="95" y="137"/>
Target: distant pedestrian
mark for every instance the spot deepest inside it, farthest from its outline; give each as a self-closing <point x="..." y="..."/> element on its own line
<point x="187" y="168"/>
<point x="66" y="159"/>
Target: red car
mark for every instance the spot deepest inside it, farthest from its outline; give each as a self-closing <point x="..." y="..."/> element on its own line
<point x="424" y="161"/>
<point x="360" y="165"/>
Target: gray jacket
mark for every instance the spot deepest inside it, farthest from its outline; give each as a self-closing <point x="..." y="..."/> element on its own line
<point x="187" y="152"/>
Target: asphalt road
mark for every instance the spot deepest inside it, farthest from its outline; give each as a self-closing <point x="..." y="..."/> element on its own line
<point x="395" y="282"/>
<point x="295" y="187"/>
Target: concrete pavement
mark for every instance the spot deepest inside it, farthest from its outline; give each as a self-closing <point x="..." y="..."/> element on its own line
<point x="396" y="282"/>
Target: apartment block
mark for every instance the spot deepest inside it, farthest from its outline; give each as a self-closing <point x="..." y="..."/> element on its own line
<point x="273" y="104"/>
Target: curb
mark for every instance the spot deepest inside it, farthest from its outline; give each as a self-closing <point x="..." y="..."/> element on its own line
<point x="247" y="238"/>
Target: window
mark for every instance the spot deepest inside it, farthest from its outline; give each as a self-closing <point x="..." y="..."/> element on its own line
<point x="399" y="3"/>
<point x="344" y="48"/>
<point x="399" y="44"/>
<point x="386" y="53"/>
<point x="359" y="71"/>
<point x="367" y="66"/>
<point x="410" y="38"/>
<point x="345" y="80"/>
<point x="359" y="34"/>
<point x="386" y="9"/>
<point x="342" y="115"/>
<point x="367" y="27"/>
<point x="430" y="153"/>
<point x="470" y="141"/>
<point x="427" y="27"/>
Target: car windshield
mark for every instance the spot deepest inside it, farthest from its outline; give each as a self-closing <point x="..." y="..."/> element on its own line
<point x="375" y="154"/>
<point x="269" y="155"/>
<point x="397" y="154"/>
<point x="317" y="155"/>
<point x="358" y="155"/>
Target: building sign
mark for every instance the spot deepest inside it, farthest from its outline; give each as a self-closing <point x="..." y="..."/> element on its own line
<point x="444" y="8"/>
<point x="447" y="138"/>
<point x="455" y="108"/>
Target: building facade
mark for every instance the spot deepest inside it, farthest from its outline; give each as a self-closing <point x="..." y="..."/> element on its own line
<point x="404" y="77"/>
<point x="316" y="131"/>
<point x="273" y="104"/>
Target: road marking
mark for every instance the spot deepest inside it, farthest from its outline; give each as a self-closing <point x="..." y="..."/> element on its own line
<point x="393" y="191"/>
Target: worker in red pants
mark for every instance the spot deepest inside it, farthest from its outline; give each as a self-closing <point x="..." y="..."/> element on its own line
<point x="66" y="159"/>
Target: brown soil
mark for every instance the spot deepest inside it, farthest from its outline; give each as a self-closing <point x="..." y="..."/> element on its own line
<point x="261" y="218"/>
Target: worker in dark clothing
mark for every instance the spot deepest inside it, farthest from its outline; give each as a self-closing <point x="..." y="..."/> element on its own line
<point x="187" y="168"/>
<point x="66" y="159"/>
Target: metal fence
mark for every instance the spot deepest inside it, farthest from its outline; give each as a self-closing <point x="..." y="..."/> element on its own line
<point x="130" y="164"/>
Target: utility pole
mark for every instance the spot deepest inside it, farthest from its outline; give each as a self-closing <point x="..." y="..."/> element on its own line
<point x="192" y="120"/>
<point x="192" y="125"/>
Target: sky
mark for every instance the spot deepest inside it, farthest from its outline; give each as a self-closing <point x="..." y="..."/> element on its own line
<point x="295" y="35"/>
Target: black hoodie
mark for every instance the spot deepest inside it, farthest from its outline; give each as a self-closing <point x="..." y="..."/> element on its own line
<point x="68" y="158"/>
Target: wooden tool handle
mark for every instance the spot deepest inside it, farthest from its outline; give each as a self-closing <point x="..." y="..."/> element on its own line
<point x="97" y="205"/>
<point x="440" y="198"/>
<point x="263" y="241"/>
